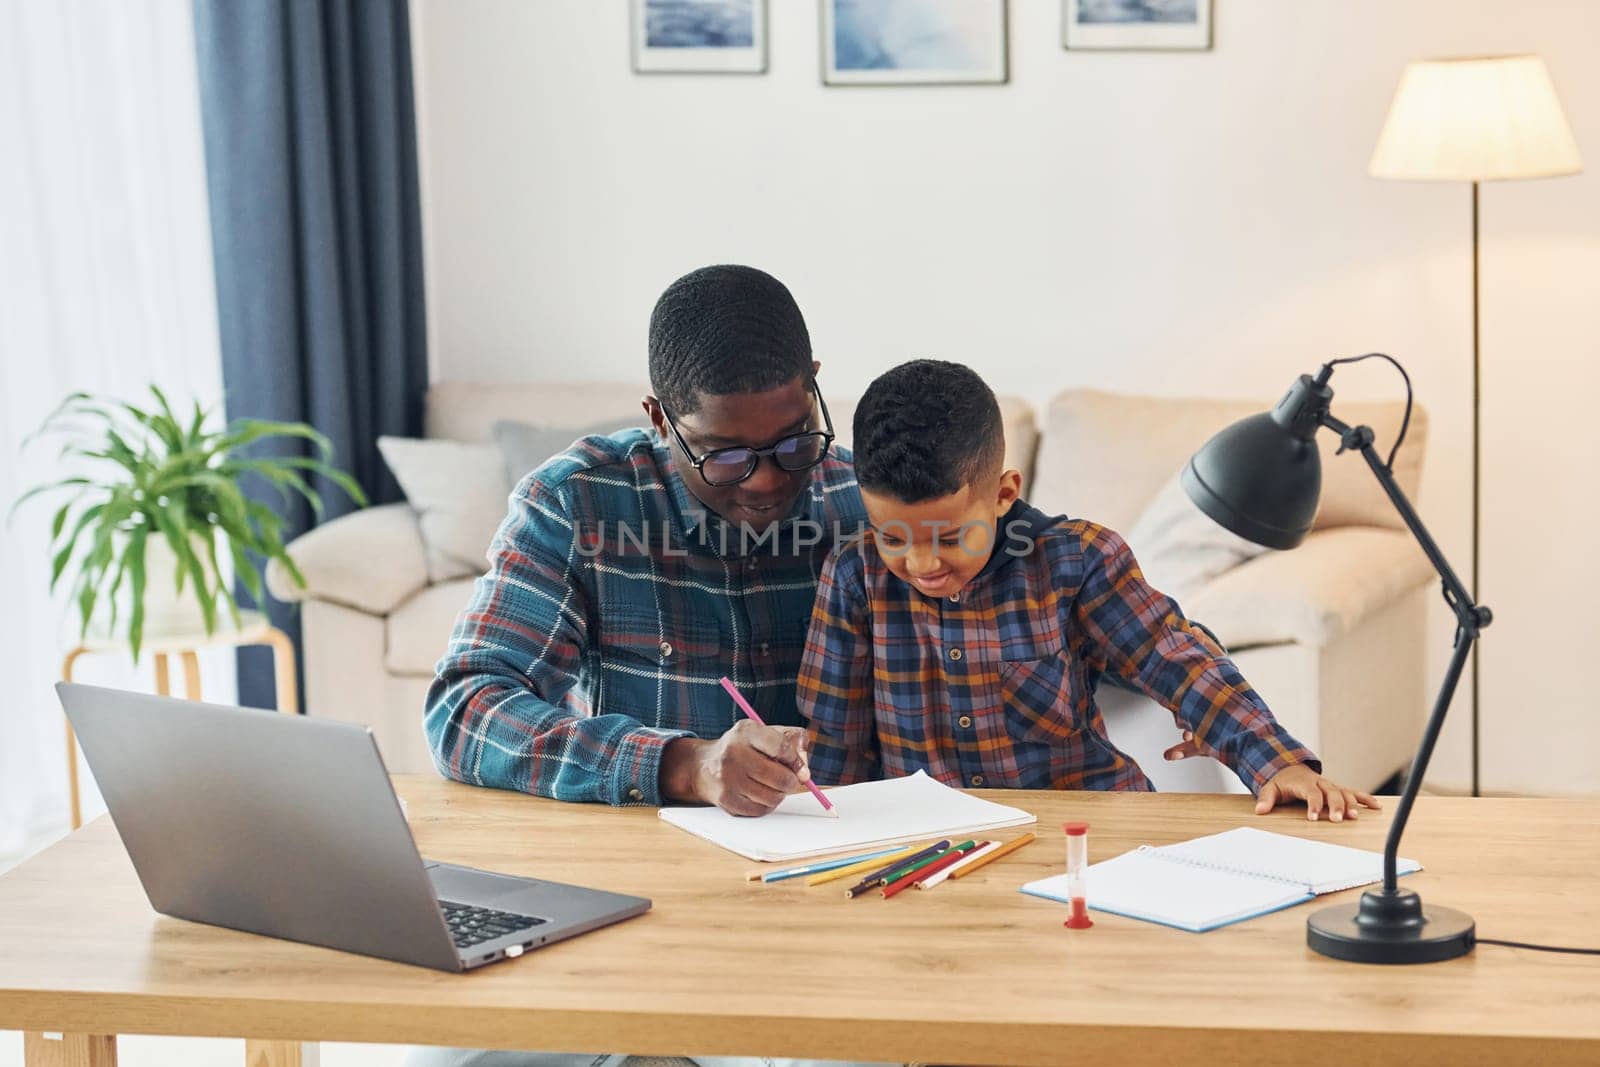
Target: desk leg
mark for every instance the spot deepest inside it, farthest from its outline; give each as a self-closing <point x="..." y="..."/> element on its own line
<point x="69" y="1050"/>
<point x="280" y="1054"/>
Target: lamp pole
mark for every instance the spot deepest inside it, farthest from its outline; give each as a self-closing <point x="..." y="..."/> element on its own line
<point x="1477" y="476"/>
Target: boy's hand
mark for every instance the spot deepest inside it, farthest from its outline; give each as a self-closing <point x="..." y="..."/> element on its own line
<point x="1302" y="783"/>
<point x="1184" y="750"/>
<point x="746" y="771"/>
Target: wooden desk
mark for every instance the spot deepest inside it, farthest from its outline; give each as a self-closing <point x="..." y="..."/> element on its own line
<point x="970" y="973"/>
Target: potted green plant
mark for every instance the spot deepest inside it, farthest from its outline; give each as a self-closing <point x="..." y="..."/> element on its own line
<point x="160" y="508"/>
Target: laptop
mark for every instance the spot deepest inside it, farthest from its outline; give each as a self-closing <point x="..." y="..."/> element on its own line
<point x="288" y="826"/>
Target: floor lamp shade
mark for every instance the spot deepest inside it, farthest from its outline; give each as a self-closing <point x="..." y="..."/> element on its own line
<point x="1480" y="119"/>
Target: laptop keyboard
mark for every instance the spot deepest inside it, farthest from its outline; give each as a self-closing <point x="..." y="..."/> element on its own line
<point x="471" y="926"/>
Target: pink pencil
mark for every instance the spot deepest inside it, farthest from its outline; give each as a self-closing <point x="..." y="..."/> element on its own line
<point x="744" y="705"/>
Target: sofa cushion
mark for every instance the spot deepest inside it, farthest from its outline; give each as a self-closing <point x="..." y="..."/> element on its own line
<point x="525" y="445"/>
<point x="370" y="560"/>
<point x="419" y="629"/>
<point x="1180" y="548"/>
<point x="459" y="492"/>
<point x="1314" y="595"/>
<point x="1105" y="456"/>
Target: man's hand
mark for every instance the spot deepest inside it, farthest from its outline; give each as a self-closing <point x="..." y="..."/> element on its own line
<point x="746" y="771"/>
<point x="1302" y="783"/>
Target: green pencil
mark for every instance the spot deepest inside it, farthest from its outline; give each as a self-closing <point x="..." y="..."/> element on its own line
<point x="910" y="868"/>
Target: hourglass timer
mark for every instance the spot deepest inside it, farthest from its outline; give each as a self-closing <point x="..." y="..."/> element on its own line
<point x="1077" y="875"/>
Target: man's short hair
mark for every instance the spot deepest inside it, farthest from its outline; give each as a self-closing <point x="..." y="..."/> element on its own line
<point x="721" y="330"/>
<point x="925" y="430"/>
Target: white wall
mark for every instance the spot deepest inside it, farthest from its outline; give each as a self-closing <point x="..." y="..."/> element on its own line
<point x="1155" y="222"/>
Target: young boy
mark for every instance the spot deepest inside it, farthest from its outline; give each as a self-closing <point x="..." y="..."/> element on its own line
<point x="965" y="634"/>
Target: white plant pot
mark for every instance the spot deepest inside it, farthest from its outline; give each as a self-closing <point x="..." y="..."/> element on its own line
<point x="166" y="610"/>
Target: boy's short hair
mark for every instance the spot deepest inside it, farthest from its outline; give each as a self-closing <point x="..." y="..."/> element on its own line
<point x="721" y="330"/>
<point x="926" y="429"/>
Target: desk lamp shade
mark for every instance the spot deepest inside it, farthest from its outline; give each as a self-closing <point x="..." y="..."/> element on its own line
<point x="1261" y="477"/>
<point x="1480" y="119"/>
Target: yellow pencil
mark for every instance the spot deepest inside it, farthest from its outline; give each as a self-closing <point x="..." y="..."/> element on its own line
<point x="857" y="868"/>
<point x="817" y="866"/>
<point x="1009" y="846"/>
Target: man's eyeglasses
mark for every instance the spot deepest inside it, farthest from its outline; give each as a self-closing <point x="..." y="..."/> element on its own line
<point x="730" y="466"/>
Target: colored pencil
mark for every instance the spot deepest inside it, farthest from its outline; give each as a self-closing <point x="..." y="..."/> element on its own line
<point x="1004" y="850"/>
<point x="744" y="706"/>
<point x="983" y="849"/>
<point x="857" y="868"/>
<point x="932" y="867"/>
<point x="875" y="878"/>
<point x="922" y="853"/>
<point x="820" y="865"/>
<point x="895" y="871"/>
<point x="909" y="867"/>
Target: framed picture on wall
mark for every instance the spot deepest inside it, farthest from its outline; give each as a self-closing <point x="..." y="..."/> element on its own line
<point x="1136" y="24"/>
<point x="913" y="42"/>
<point x="699" y="36"/>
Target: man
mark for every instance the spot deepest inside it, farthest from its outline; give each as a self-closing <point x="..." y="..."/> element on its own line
<point x="635" y="570"/>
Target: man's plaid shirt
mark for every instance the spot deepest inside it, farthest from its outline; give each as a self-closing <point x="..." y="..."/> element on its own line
<point x="995" y="685"/>
<point x="613" y="604"/>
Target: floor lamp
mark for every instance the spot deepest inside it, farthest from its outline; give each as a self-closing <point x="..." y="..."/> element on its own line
<point x="1479" y="119"/>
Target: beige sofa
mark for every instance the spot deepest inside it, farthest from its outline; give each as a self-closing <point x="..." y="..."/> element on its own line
<point x="1330" y="634"/>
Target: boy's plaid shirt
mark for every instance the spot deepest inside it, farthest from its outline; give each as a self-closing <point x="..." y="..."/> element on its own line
<point x="995" y="685"/>
<point x="613" y="604"/>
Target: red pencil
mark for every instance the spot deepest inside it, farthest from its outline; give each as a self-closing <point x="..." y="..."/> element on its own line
<point x="935" y="867"/>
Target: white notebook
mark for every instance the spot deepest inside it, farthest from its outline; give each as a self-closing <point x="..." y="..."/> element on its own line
<point x="1212" y="881"/>
<point x="870" y="813"/>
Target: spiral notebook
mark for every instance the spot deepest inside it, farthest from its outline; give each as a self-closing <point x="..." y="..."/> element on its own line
<point x="1225" y="878"/>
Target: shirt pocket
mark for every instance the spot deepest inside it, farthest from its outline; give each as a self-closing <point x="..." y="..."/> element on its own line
<point x="641" y="639"/>
<point x="1039" y="698"/>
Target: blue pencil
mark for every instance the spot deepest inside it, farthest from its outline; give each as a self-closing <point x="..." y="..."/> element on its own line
<point x="820" y="866"/>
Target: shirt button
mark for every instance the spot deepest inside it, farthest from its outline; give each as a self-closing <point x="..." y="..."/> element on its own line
<point x="965" y="722"/>
<point x="955" y="598"/>
<point x="666" y="649"/>
<point x="635" y="794"/>
<point x="955" y="653"/>
<point x="764" y="649"/>
<point x="977" y="779"/>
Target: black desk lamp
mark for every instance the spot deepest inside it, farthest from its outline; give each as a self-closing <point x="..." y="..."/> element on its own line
<point x="1260" y="478"/>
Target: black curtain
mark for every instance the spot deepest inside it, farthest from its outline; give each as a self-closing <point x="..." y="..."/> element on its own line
<point x="311" y="165"/>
